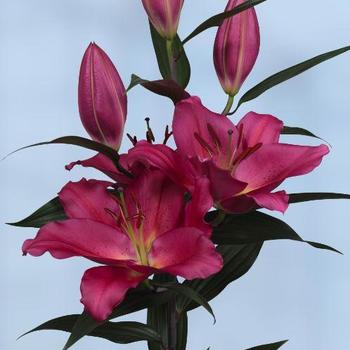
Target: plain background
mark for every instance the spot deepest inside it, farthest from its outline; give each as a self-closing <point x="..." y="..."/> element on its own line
<point x="293" y="291"/>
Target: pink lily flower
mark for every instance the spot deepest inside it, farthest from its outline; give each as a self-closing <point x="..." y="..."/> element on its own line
<point x="236" y="48"/>
<point x="145" y="228"/>
<point x="164" y="15"/>
<point x="102" y="98"/>
<point x="159" y="157"/>
<point x="245" y="162"/>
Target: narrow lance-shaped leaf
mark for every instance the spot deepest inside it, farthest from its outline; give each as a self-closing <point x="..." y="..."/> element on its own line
<point x="116" y="332"/>
<point x="238" y="260"/>
<point x="138" y="299"/>
<point x="85" y="143"/>
<point x="216" y="20"/>
<point x="290" y="130"/>
<point x="168" y="88"/>
<point x="315" y="196"/>
<point x="171" y="57"/>
<point x="51" y="211"/>
<point x="188" y="292"/>
<point x="287" y="74"/>
<point x="158" y="316"/>
<point x="273" y="346"/>
<point x="255" y="227"/>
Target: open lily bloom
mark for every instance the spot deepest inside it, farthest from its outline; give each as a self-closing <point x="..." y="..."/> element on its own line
<point x="245" y="162"/>
<point x="147" y="227"/>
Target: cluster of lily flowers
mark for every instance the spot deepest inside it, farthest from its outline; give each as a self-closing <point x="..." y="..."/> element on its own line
<point x="149" y="217"/>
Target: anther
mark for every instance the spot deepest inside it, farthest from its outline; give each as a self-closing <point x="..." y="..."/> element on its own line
<point x="167" y="135"/>
<point x="203" y="143"/>
<point x="149" y="133"/>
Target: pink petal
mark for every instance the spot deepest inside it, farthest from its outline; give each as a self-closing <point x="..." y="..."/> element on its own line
<point x="103" y="164"/>
<point x="223" y="185"/>
<point x="79" y="237"/>
<point x="272" y="201"/>
<point x="162" y="157"/>
<point x="103" y="288"/>
<point x="157" y="201"/>
<point x="88" y="200"/>
<point x="260" y="128"/>
<point x="238" y="205"/>
<point x="274" y="163"/>
<point x="191" y="118"/>
<point x="186" y="252"/>
<point x="200" y="203"/>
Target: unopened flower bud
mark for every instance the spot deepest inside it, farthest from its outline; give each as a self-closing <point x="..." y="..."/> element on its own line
<point x="102" y="98"/>
<point x="164" y="15"/>
<point x="236" y="48"/>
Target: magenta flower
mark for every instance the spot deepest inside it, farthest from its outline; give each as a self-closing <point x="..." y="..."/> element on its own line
<point x="164" y="15"/>
<point x="144" y="228"/>
<point x="172" y="164"/>
<point x="102" y="98"/>
<point x="236" y="48"/>
<point x="245" y="162"/>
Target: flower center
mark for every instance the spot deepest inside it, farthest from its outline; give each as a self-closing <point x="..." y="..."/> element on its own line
<point x="132" y="225"/>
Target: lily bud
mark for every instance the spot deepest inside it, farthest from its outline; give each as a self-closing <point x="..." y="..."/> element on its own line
<point x="236" y="48"/>
<point x="102" y="98"/>
<point x="164" y="15"/>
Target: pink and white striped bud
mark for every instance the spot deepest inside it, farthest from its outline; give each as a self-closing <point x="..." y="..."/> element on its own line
<point x="102" y="98"/>
<point x="164" y="15"/>
<point x="236" y="48"/>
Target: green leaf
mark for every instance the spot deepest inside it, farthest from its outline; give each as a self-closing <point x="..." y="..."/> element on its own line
<point x="189" y="293"/>
<point x="51" y="211"/>
<point x="217" y="20"/>
<point x="182" y="331"/>
<point x="171" y="57"/>
<point x="273" y="346"/>
<point x="286" y="74"/>
<point x="161" y="317"/>
<point x="289" y="130"/>
<point x="255" y="227"/>
<point x="136" y="300"/>
<point x="116" y="332"/>
<point x="85" y="143"/>
<point x="315" y="196"/>
<point x="238" y="259"/>
<point x="158" y="316"/>
<point x="168" y="88"/>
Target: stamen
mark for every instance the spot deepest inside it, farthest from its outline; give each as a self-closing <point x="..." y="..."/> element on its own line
<point x="149" y="133"/>
<point x="214" y="136"/>
<point x="247" y="153"/>
<point x="133" y="139"/>
<point x="240" y="136"/>
<point x="167" y="135"/>
<point x="204" y="144"/>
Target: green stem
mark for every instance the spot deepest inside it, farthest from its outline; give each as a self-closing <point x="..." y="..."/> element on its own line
<point x="228" y="105"/>
<point x="172" y="323"/>
<point x="170" y="53"/>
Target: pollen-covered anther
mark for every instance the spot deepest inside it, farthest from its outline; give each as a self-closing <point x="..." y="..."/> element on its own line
<point x="149" y="133"/>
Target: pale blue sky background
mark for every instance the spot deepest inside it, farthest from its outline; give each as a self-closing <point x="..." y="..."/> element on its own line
<point x="293" y="291"/>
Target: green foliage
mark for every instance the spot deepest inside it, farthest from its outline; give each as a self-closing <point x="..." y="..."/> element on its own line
<point x="287" y="74"/>
<point x="171" y="57"/>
